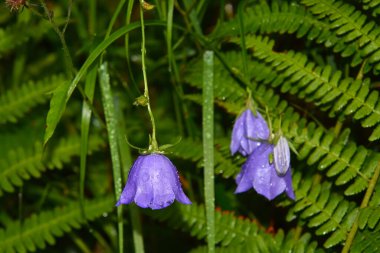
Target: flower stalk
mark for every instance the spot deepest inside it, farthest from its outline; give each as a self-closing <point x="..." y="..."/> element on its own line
<point x="153" y="142"/>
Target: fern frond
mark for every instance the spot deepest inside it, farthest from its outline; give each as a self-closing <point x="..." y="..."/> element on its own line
<point x="320" y="85"/>
<point x="351" y="165"/>
<point x="367" y="241"/>
<point x="16" y="35"/>
<point x="352" y="27"/>
<point x="262" y="18"/>
<point x="325" y="211"/>
<point x="373" y="5"/>
<point x="39" y="229"/>
<point x="230" y="230"/>
<point x="192" y="150"/>
<point x="369" y="216"/>
<point x="26" y="162"/>
<point x="17" y="101"/>
<point x="290" y="242"/>
<point x="347" y="32"/>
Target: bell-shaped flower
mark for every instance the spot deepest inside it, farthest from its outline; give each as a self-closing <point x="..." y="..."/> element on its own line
<point x="281" y="156"/>
<point x="258" y="172"/>
<point x="247" y="133"/>
<point x="153" y="182"/>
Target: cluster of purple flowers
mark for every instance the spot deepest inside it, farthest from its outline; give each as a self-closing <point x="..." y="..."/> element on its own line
<point x="267" y="169"/>
<point x="153" y="180"/>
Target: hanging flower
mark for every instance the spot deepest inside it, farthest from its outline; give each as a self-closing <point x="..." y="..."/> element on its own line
<point x="247" y="132"/>
<point x="281" y="156"/>
<point x="258" y="172"/>
<point x="153" y="182"/>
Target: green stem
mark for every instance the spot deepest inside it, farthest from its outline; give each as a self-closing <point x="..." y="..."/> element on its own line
<point x="127" y="55"/>
<point x="92" y="17"/>
<point x="114" y="17"/>
<point x="68" y="60"/>
<point x="153" y="145"/>
<point x="367" y="196"/>
<point x="208" y="146"/>
<point x="242" y="39"/>
<point x="80" y="243"/>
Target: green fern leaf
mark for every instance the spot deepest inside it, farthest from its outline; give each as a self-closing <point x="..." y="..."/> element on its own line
<point x="367" y="241"/>
<point x="20" y="33"/>
<point x="350" y="24"/>
<point x="16" y="102"/>
<point x="373" y="5"/>
<point x="43" y="228"/>
<point x="26" y="162"/>
<point x="328" y="213"/>
<point x="313" y="82"/>
<point x="291" y="242"/>
<point x="230" y="230"/>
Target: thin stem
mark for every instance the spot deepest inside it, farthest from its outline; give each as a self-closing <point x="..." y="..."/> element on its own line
<point x="68" y="16"/>
<point x="242" y="40"/>
<point x="153" y="145"/>
<point x="114" y="17"/>
<point x="367" y="196"/>
<point x="68" y="59"/>
<point x="127" y="55"/>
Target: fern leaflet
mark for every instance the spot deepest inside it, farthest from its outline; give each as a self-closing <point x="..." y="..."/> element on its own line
<point x="350" y="24"/>
<point x="318" y="84"/>
<point x="20" y="33"/>
<point x="16" y="102"/>
<point x="43" y="228"/>
<point x="23" y="163"/>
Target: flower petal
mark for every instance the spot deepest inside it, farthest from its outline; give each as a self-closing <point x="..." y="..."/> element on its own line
<point x="130" y="188"/>
<point x="289" y="186"/>
<point x="237" y="134"/>
<point x="260" y="174"/>
<point x="162" y="180"/>
<point x="247" y="133"/>
<point x="243" y="181"/>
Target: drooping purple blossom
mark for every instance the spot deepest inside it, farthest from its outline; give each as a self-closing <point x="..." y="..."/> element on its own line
<point x="281" y="156"/>
<point x="247" y="132"/>
<point x="258" y="172"/>
<point x="153" y="182"/>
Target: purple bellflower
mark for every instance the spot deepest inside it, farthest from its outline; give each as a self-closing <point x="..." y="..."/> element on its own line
<point x="258" y="172"/>
<point x="153" y="182"/>
<point x="247" y="132"/>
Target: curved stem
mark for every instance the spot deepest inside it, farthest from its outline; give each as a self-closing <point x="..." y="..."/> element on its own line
<point x="153" y="145"/>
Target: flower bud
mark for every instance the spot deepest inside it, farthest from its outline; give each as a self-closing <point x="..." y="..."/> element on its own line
<point x="282" y="156"/>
